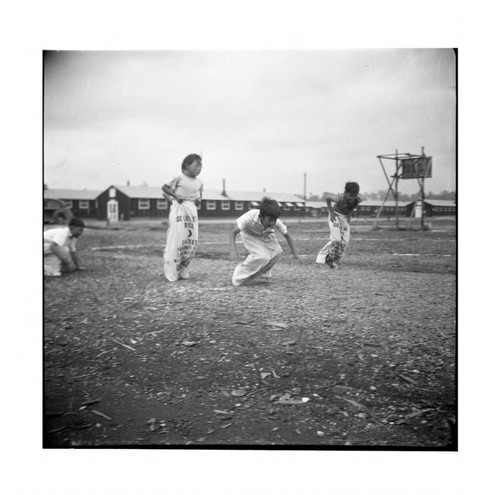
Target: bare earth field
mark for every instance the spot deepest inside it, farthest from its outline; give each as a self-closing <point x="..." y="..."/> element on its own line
<point x="360" y="357"/>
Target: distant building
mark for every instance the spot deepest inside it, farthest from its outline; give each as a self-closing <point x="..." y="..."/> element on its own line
<point x="433" y="207"/>
<point x="316" y="208"/>
<point x="241" y="201"/>
<point x="371" y="207"/>
<point x="129" y="202"/>
<point x="367" y="208"/>
<point x="83" y="203"/>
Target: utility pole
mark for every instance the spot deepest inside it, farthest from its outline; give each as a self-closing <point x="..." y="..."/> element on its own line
<point x="305" y="195"/>
<point x="422" y="196"/>
<point x="396" y="191"/>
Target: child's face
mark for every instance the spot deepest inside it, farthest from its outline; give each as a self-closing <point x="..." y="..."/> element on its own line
<point x="193" y="169"/>
<point x="268" y="222"/>
<point x="350" y="196"/>
<point x="76" y="231"/>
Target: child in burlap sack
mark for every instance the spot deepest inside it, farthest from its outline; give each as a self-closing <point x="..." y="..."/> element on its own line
<point x="340" y="208"/>
<point x="186" y="191"/>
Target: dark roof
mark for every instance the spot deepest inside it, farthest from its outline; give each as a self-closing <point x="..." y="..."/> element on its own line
<point x="441" y="202"/>
<point x="70" y="194"/>
<point x="147" y="192"/>
<point x="257" y="196"/>
<point x="143" y="192"/>
<point x="378" y="203"/>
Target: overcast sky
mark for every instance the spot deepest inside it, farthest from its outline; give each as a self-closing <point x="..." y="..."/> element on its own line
<point x="261" y="119"/>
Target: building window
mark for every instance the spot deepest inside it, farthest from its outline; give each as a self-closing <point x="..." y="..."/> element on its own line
<point x="226" y="205"/>
<point x="143" y="204"/>
<point x="83" y="205"/>
<point x="68" y="203"/>
<point x="161" y="204"/>
<point x="112" y="192"/>
<point x="211" y="205"/>
<point x="238" y="205"/>
<point x="297" y="207"/>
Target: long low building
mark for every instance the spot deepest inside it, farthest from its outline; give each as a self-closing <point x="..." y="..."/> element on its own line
<point x="129" y="202"/>
<point x="83" y="203"/>
<point x="367" y="208"/>
<point x="371" y="207"/>
<point x="433" y="208"/>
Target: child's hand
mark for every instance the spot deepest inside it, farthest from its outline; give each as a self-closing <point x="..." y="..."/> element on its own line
<point x="179" y="199"/>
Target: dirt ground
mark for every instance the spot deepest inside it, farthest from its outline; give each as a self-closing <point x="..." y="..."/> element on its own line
<point x="363" y="357"/>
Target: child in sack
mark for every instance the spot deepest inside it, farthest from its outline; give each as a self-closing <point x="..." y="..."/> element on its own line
<point x="186" y="191"/>
<point x="340" y="208"/>
<point x="257" y="232"/>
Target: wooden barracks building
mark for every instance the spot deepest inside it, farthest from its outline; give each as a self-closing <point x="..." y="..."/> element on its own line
<point x="132" y="202"/>
<point x="83" y="203"/>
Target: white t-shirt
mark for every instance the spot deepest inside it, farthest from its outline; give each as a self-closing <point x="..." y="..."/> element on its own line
<point x="187" y="187"/>
<point x="61" y="236"/>
<point x="249" y="223"/>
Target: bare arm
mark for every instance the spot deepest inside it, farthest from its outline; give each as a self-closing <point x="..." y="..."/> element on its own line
<point x="198" y="201"/>
<point x="76" y="260"/>
<point x="292" y="247"/>
<point x="169" y="191"/>
<point x="70" y="261"/>
<point x="232" y="243"/>
<point x="330" y="203"/>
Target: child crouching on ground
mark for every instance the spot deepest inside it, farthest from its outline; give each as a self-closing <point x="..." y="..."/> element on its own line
<point x="340" y="208"/>
<point x="59" y="249"/>
<point x="257" y="233"/>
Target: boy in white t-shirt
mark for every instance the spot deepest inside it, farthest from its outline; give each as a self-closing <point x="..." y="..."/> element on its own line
<point x="256" y="228"/>
<point x="59" y="248"/>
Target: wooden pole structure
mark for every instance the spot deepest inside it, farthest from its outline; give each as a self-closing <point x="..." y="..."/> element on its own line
<point x="396" y="190"/>
<point x="393" y="185"/>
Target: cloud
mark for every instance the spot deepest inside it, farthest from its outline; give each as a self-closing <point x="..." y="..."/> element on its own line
<point x="261" y="118"/>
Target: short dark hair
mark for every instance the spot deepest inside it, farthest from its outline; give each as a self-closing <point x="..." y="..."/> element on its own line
<point x="269" y="208"/>
<point x="352" y="187"/>
<point x="190" y="159"/>
<point x="76" y="222"/>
